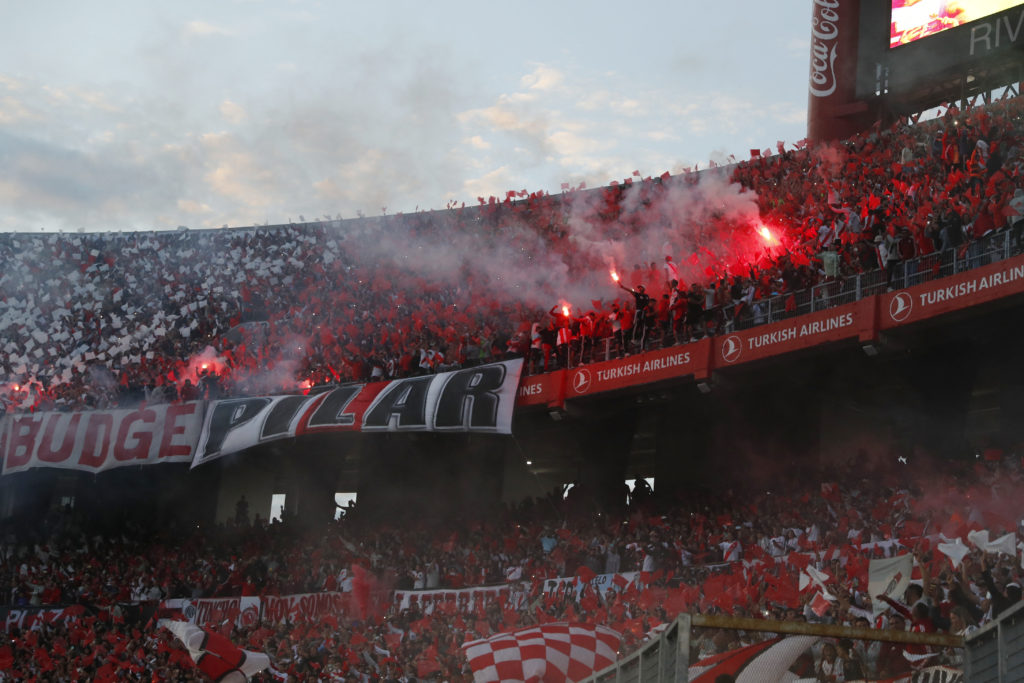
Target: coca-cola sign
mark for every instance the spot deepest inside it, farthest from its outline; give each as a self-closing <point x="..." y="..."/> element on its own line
<point x="824" y="43"/>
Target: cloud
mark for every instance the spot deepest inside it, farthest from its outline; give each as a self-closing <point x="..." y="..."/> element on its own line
<point x="202" y="28"/>
<point x="193" y="207"/>
<point x="233" y="112"/>
<point x="505" y="115"/>
<point x="235" y="173"/>
<point x="494" y="183"/>
<point x="10" y="83"/>
<point x="56" y="185"/>
<point x="542" y="78"/>
<point x="660" y="135"/>
<point x="13" y="110"/>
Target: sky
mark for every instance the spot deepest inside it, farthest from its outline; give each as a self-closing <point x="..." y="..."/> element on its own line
<point x="127" y="115"/>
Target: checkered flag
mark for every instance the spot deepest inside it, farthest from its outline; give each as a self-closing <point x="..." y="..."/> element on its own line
<point x="552" y="653"/>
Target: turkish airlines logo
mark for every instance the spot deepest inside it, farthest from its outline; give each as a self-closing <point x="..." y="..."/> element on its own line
<point x="732" y="348"/>
<point x="900" y="307"/>
<point x="581" y="381"/>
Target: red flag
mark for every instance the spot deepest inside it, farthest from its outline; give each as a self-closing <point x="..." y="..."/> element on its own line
<point x="819" y="605"/>
<point x="586" y="574"/>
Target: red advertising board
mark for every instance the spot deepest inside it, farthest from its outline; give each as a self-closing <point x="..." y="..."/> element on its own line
<point x="963" y="290"/>
<point x="541" y="390"/>
<point x="673" y="362"/>
<point x="801" y="332"/>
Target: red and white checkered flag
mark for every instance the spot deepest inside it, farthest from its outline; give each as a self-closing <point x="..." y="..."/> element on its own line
<point x="552" y="653"/>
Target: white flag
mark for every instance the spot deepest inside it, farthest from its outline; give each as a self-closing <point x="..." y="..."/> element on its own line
<point x="889" y="576"/>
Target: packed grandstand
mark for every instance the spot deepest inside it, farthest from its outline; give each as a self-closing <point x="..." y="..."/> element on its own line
<point x="103" y="319"/>
<point x="94" y="321"/>
<point x="363" y="600"/>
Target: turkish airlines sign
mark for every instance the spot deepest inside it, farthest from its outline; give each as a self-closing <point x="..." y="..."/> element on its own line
<point x="676" y="361"/>
<point x="102" y="439"/>
<point x="769" y="340"/>
<point x="974" y="287"/>
<point x="540" y="389"/>
<point x="479" y="399"/>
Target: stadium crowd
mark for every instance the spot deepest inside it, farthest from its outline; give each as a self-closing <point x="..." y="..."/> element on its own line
<point x="740" y="551"/>
<point x="94" y="320"/>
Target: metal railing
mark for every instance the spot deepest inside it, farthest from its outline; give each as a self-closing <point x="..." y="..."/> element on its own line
<point x="995" y="652"/>
<point x="666" y="657"/>
<point x="994" y="247"/>
<point x="997" y="246"/>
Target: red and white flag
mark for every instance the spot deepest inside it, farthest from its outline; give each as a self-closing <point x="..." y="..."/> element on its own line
<point x="215" y="655"/>
<point x="552" y="653"/>
<point x="890" y="577"/>
<point x="768" y="660"/>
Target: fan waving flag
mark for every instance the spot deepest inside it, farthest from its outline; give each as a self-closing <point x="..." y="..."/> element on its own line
<point x="552" y="653"/>
<point x="768" y="660"/>
<point x="215" y="655"/>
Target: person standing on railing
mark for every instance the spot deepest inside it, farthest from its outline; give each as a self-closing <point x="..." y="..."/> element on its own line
<point x="888" y="257"/>
<point x="640" y="314"/>
<point x="951" y="224"/>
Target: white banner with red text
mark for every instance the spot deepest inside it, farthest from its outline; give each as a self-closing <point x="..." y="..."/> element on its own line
<point x="601" y="583"/>
<point x="100" y="440"/>
<point x="239" y="611"/>
<point x="511" y="596"/>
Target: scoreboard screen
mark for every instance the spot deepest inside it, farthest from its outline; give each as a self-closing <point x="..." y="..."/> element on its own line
<point x="911" y="20"/>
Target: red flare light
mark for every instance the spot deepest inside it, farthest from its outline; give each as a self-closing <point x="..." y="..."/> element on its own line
<point x="615" y="276"/>
<point x="565" y="310"/>
<point x="767" y="235"/>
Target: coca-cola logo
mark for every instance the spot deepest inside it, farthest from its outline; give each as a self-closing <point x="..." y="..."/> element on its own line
<point x="824" y="43"/>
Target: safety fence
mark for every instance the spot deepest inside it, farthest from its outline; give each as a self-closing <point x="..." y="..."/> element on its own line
<point x="995" y="652"/>
<point x="997" y="246"/>
<point x="698" y="648"/>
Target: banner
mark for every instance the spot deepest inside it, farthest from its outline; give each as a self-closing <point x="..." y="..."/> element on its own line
<point x="964" y="290"/>
<point x="654" y="366"/>
<point x="100" y="440"/>
<point x="540" y="390"/>
<point x="478" y="399"/>
<point x="512" y="596"/>
<point x="31" y="618"/>
<point x="240" y="611"/>
<point x="602" y="583"/>
<point x="833" y="324"/>
<point x="307" y="607"/>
